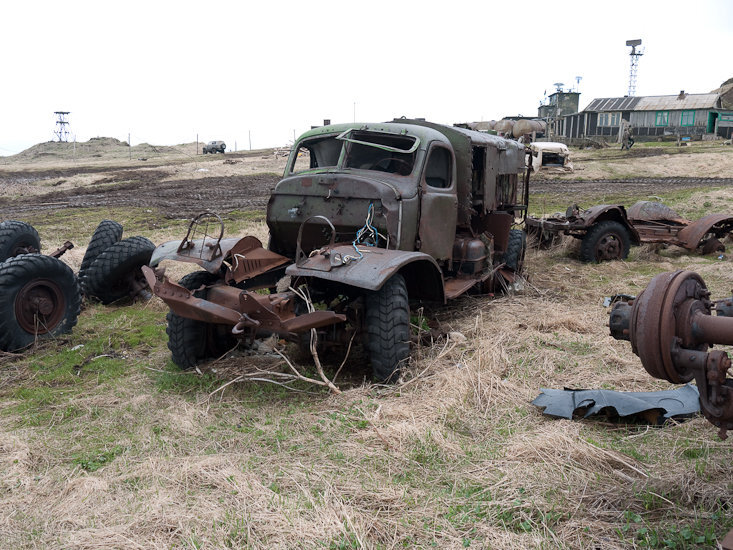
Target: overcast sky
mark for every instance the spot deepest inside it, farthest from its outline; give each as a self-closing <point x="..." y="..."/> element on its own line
<point x="167" y="71"/>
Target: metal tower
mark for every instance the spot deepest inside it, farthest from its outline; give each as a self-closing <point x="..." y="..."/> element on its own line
<point x="635" y="55"/>
<point x="62" y="125"/>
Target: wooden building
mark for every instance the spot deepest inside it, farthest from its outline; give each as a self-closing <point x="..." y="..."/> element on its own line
<point x="685" y="114"/>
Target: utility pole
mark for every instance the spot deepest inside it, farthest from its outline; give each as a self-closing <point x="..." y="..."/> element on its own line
<point x="129" y="144"/>
<point x="197" y="144"/>
<point x="249" y="135"/>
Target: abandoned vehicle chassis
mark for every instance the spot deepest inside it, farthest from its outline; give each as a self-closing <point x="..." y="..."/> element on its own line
<point x="646" y="223"/>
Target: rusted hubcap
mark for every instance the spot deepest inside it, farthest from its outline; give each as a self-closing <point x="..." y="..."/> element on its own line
<point x="40" y="306"/>
<point x="609" y="248"/>
<point x="654" y="322"/>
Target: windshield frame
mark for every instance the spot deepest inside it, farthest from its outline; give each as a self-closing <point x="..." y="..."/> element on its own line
<point x="343" y="136"/>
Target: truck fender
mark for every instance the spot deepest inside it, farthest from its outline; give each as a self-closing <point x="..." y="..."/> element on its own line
<point x="690" y="236"/>
<point x="612" y="212"/>
<point x="342" y="264"/>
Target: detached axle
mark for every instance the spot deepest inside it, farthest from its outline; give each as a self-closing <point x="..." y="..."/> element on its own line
<point x="671" y="328"/>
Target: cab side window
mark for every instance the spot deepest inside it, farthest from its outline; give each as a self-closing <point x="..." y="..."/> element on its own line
<point x="439" y="168"/>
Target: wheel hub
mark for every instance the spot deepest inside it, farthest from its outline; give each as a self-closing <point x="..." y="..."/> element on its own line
<point x="654" y="323"/>
<point x="608" y="248"/>
<point x="40" y="306"/>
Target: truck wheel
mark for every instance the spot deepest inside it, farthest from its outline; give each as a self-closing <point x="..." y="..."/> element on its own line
<point x="388" y="329"/>
<point x="115" y="273"/>
<point x="605" y="241"/>
<point x="514" y="255"/>
<point x="191" y="341"/>
<point x="106" y="234"/>
<point x="18" y="238"/>
<point x="39" y="298"/>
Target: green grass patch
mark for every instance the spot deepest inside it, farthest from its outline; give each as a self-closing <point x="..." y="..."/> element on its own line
<point x="93" y="461"/>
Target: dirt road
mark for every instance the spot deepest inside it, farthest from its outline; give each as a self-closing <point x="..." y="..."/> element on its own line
<point x="175" y="199"/>
<point x="179" y="198"/>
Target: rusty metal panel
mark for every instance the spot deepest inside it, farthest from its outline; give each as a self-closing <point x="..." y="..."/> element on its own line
<point x="499" y="224"/>
<point x="195" y="254"/>
<point x="690" y="236"/>
<point x="249" y="260"/>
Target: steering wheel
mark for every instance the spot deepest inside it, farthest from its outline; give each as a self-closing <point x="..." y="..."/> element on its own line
<point x="383" y="165"/>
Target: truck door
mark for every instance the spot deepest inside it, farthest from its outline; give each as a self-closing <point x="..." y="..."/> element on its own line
<point x="438" y="205"/>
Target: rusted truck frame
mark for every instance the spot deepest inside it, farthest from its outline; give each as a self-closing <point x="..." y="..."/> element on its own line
<point x="382" y="214"/>
<point x="607" y="231"/>
<point x="672" y="329"/>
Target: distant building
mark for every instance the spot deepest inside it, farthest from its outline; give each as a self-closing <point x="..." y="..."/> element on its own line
<point x="650" y="116"/>
<point x="558" y="105"/>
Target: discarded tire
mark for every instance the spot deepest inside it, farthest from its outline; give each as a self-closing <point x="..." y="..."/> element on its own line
<point x="514" y="255"/>
<point x="39" y="299"/>
<point x="192" y="342"/>
<point x="605" y="241"/>
<point x="106" y="234"/>
<point x="18" y="238"/>
<point x="388" y="329"/>
<point x="115" y="273"/>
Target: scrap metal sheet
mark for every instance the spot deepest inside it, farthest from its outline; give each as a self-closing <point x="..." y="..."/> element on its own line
<point x="562" y="403"/>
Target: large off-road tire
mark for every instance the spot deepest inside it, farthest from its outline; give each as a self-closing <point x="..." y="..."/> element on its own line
<point x="116" y="271"/>
<point x="605" y="241"/>
<point x="388" y="329"/>
<point x="192" y="342"/>
<point x="514" y="255"/>
<point x="39" y="299"/>
<point x="18" y="238"/>
<point x="106" y="234"/>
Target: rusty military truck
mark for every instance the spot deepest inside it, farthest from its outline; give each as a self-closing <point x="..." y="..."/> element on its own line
<point x="367" y="218"/>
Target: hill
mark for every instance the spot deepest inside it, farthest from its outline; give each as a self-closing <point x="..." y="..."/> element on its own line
<point x="726" y="94"/>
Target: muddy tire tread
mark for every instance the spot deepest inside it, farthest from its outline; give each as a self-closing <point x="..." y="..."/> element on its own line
<point x="13" y="233"/>
<point x="107" y="233"/>
<point x="589" y="242"/>
<point x="188" y="339"/>
<point x="114" y="263"/>
<point x="388" y="329"/>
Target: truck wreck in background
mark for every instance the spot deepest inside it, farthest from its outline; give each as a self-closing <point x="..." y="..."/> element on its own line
<point x="671" y="328"/>
<point x="382" y="214"/>
<point x="607" y="231"/>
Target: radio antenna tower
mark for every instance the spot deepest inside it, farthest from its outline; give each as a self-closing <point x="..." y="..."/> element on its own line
<point x="635" y="55"/>
<point x="62" y="125"/>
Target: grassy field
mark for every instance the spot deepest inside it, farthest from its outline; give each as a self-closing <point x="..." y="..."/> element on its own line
<point x="104" y="443"/>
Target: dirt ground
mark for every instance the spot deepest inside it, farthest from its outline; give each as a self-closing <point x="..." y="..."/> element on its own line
<point x="105" y="444"/>
<point x="181" y="185"/>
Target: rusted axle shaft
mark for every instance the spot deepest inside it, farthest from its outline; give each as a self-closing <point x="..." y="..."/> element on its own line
<point x="671" y="328"/>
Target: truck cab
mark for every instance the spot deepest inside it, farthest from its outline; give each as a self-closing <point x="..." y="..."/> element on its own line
<point x="439" y="190"/>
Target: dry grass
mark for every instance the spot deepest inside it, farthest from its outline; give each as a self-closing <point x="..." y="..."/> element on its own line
<point x="126" y="452"/>
<point x="699" y="160"/>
